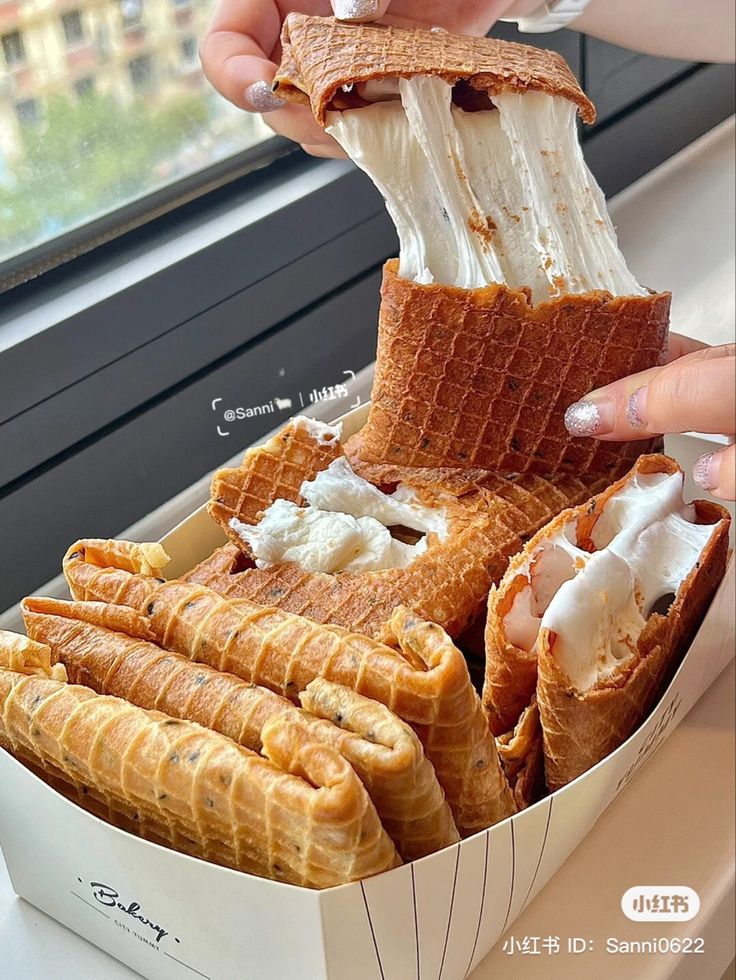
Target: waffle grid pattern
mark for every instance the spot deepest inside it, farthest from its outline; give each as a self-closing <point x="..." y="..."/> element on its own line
<point x="480" y="378"/>
<point x="321" y="55"/>
<point x="488" y="522"/>
<point x="267" y="473"/>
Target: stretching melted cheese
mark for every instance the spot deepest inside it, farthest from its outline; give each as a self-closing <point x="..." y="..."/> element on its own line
<point x="496" y="196"/>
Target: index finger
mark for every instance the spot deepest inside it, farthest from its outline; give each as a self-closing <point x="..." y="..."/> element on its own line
<point x="692" y="393"/>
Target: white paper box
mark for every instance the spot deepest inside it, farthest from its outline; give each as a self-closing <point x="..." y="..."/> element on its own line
<point x="172" y="917"/>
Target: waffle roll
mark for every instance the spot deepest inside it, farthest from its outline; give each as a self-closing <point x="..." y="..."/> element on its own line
<point x="482" y="378"/>
<point x="422" y="677"/>
<point x="300" y="816"/>
<point x="321" y="57"/>
<point x="591" y="618"/>
<point x="520" y="751"/>
<point x="274" y="470"/>
<point x="109" y="649"/>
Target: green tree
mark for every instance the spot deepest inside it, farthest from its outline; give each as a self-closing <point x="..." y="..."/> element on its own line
<point x="89" y="156"/>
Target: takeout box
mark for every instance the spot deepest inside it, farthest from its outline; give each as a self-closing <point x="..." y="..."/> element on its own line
<point x="173" y="917"/>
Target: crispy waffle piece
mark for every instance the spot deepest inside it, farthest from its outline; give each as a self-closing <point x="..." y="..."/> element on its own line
<point x="424" y="680"/>
<point x="321" y="56"/>
<point x="271" y="471"/>
<point x="511" y="672"/>
<point x="302" y="818"/>
<point x="489" y="518"/>
<point x="618" y="671"/>
<point x="520" y="752"/>
<point x="482" y="378"/>
<point x="107" y="648"/>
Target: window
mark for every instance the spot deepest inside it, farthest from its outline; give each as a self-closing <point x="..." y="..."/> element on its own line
<point x="73" y="27"/>
<point x="84" y="86"/>
<point x="28" y="112"/>
<point x="14" y="49"/>
<point x="188" y="49"/>
<point x="133" y="98"/>
<point x="141" y="72"/>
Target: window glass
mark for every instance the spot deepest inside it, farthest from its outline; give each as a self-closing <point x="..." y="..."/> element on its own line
<point x="73" y="27"/>
<point x="101" y="103"/>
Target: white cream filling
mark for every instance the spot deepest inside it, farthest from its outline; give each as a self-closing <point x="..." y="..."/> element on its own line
<point x="344" y="528"/>
<point x="597" y="604"/>
<point x="338" y="488"/>
<point x="500" y="195"/>
<point x="321" y="432"/>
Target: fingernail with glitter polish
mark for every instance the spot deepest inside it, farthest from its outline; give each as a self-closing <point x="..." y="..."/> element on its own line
<point x="705" y="471"/>
<point x="635" y="408"/>
<point x="583" y="419"/>
<point x="263" y="98"/>
<point x="355" y="9"/>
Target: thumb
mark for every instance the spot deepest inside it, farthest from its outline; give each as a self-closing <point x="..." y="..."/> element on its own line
<point x="359" y="10"/>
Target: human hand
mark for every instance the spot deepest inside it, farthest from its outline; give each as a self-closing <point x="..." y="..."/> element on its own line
<point x="241" y="49"/>
<point x="694" y="392"/>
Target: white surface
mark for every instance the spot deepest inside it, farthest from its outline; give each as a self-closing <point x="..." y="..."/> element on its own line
<point x="676" y="818"/>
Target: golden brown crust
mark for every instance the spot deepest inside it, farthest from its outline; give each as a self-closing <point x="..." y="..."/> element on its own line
<point x="511" y="673"/>
<point x="301" y="815"/>
<point x="423" y="678"/>
<point x="488" y="519"/>
<point x="520" y="751"/>
<point x="482" y="378"/>
<point x="321" y="55"/>
<point x="105" y="648"/>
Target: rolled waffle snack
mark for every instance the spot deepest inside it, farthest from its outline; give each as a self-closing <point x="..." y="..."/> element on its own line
<point x="106" y="648"/>
<point x="344" y="542"/>
<point x="302" y="818"/>
<point x="424" y="679"/>
<point x="510" y="299"/>
<point x="520" y="751"/>
<point x="604" y="599"/>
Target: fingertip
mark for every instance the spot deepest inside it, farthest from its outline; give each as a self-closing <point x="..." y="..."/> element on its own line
<point x="357" y="11"/>
<point x="716" y="473"/>
<point x="260" y="97"/>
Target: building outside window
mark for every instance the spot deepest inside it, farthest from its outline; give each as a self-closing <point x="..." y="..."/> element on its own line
<point x="14" y="49"/>
<point x="141" y="72"/>
<point x="73" y="27"/>
<point x="131" y="12"/>
<point x="133" y="148"/>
